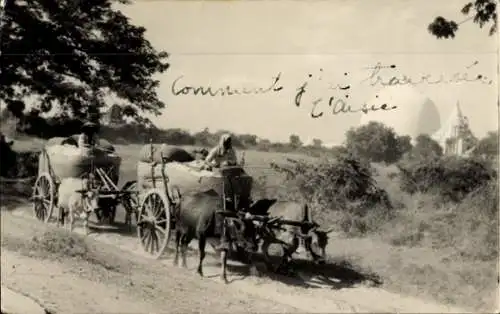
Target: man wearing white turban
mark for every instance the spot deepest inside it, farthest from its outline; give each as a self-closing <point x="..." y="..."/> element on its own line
<point x="223" y="154"/>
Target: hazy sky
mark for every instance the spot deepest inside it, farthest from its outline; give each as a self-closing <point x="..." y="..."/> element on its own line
<point x="247" y="43"/>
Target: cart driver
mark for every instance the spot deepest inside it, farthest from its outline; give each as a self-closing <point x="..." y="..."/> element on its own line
<point x="223" y="154"/>
<point x="88" y="137"/>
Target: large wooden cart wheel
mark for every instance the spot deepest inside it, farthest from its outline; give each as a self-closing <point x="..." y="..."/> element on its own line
<point x="153" y="226"/>
<point x="43" y="197"/>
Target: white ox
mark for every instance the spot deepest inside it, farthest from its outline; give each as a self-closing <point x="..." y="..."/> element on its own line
<point x="74" y="198"/>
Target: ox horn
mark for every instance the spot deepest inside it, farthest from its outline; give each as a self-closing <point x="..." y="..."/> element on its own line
<point x="327" y="231"/>
<point x="307" y="214"/>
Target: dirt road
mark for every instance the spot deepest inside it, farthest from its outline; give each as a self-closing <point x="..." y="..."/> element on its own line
<point x="159" y="286"/>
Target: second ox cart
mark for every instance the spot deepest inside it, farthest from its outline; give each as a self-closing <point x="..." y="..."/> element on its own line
<point x="61" y="158"/>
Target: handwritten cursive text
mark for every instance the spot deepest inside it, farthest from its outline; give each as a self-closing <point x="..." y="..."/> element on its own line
<point x="383" y="75"/>
<point x="337" y="105"/>
<point x="224" y="91"/>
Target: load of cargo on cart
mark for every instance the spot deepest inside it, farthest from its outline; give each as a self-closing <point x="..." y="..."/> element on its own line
<point x="61" y="158"/>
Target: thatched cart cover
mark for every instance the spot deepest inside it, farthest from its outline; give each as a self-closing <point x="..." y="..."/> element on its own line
<point x="63" y="159"/>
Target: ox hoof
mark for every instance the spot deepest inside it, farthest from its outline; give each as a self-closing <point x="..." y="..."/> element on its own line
<point x="224" y="280"/>
<point x="199" y="272"/>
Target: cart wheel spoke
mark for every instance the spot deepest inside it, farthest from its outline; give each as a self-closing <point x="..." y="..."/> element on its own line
<point x="144" y="235"/>
<point x="154" y="205"/>
<point x="154" y="242"/>
<point x="158" y="209"/>
<point x="161" y="230"/>
<point x="157" y="245"/>
<point x="149" y="207"/>
<point x="162" y="221"/>
<point x="148" y="243"/>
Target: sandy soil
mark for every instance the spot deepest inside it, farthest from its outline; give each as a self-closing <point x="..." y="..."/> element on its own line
<point x="159" y="286"/>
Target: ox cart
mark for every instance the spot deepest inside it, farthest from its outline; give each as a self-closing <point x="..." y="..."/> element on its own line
<point x="161" y="188"/>
<point x="60" y="159"/>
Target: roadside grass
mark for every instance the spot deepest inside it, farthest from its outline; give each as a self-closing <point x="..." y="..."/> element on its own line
<point x="46" y="242"/>
<point x="423" y="272"/>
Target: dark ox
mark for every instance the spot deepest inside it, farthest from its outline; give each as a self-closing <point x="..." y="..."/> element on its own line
<point x="315" y="239"/>
<point x="196" y="218"/>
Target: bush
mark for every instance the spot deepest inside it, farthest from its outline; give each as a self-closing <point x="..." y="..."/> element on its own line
<point x="376" y="142"/>
<point x="488" y="146"/>
<point x="342" y="188"/>
<point x="450" y="177"/>
<point x="426" y="148"/>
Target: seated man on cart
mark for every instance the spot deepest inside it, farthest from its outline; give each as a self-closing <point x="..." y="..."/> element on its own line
<point x="221" y="155"/>
<point x="88" y="138"/>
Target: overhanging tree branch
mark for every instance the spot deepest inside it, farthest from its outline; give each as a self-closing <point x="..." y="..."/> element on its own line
<point x="482" y="12"/>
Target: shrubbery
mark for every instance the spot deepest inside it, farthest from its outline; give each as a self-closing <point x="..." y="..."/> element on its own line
<point x="376" y="142"/>
<point x="343" y="186"/>
<point x="425" y="148"/>
<point x="451" y="177"/>
<point x="15" y="164"/>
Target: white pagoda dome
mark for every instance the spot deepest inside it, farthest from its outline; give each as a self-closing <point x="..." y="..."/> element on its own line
<point x="415" y="113"/>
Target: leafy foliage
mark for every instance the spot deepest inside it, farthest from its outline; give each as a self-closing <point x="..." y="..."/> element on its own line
<point x="317" y="143"/>
<point x="70" y="55"/>
<point x="451" y="177"/>
<point x="376" y="142"/>
<point x="481" y="12"/>
<point x="488" y="145"/>
<point x="426" y="148"/>
<point x="341" y="184"/>
<point x="295" y="141"/>
<point x="17" y="164"/>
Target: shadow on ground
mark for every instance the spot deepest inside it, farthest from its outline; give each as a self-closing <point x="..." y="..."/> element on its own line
<point x="301" y="273"/>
